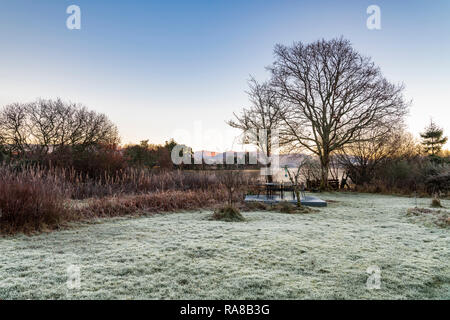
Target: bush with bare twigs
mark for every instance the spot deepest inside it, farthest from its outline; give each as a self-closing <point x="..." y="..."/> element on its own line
<point x="233" y="182"/>
<point x="31" y="202"/>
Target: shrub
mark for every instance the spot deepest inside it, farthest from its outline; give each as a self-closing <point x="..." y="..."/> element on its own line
<point x="233" y="181"/>
<point x="95" y="162"/>
<point x="30" y="202"/>
<point x="405" y="176"/>
<point x="150" y="155"/>
<point x="439" y="182"/>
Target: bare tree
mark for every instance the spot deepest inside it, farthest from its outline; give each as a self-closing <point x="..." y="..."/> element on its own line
<point x="333" y="93"/>
<point x="47" y="125"/>
<point x="311" y="169"/>
<point x="232" y="181"/>
<point x="294" y="178"/>
<point x="14" y="128"/>
<point x="261" y="119"/>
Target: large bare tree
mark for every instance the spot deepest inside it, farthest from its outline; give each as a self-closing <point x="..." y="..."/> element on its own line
<point x="46" y="125"/>
<point x="260" y="120"/>
<point x="333" y="93"/>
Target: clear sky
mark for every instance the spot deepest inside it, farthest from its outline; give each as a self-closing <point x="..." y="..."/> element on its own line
<point x="160" y="69"/>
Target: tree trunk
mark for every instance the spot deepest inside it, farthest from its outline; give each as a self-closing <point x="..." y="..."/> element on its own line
<point x="269" y="154"/>
<point x="297" y="195"/>
<point x="230" y="201"/>
<point x="325" y="164"/>
<point x="269" y="177"/>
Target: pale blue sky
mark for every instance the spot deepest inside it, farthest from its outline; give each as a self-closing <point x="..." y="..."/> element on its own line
<point x="155" y="67"/>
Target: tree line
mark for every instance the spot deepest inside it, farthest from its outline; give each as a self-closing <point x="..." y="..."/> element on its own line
<point x="42" y="126"/>
<point x="64" y="134"/>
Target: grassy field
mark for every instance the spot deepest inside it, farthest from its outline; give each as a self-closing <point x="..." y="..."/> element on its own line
<point x="323" y="255"/>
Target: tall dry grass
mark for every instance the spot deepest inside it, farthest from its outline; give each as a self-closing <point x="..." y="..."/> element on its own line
<point x="127" y="181"/>
<point x="33" y="199"/>
<point x="140" y="181"/>
<point x="156" y="202"/>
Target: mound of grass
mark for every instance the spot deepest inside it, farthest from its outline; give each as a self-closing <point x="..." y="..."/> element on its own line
<point x="256" y="205"/>
<point x="440" y="218"/>
<point x="436" y="203"/>
<point x="228" y="214"/>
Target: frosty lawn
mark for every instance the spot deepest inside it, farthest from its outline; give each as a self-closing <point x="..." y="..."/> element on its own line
<point x="271" y="256"/>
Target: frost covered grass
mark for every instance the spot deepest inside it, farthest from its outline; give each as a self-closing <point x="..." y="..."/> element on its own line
<point x="271" y="255"/>
<point x="426" y="216"/>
